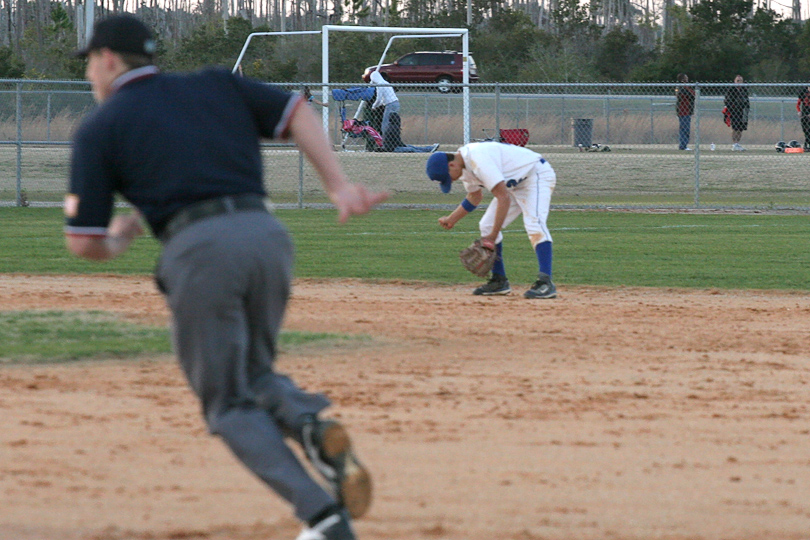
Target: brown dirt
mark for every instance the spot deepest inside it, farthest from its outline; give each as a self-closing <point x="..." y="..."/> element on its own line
<point x="610" y="413"/>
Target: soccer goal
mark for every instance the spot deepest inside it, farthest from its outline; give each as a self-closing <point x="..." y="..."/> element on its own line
<point x="463" y="33"/>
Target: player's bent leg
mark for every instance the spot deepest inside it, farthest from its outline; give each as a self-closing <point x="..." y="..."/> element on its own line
<point x="259" y="444"/>
<point x="328" y="446"/>
<point x="543" y="287"/>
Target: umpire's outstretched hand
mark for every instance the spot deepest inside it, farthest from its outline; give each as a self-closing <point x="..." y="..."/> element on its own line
<point x="354" y="199"/>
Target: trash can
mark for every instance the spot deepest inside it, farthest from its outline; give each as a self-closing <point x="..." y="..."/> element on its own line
<point x="582" y="132"/>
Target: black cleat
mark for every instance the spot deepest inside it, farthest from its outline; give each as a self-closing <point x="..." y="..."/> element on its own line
<point x="497" y="285"/>
<point x="542" y="288"/>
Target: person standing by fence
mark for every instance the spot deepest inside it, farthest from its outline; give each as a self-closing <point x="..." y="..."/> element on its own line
<point x="684" y="107"/>
<point x="737" y="102"/>
<point x="803" y="108"/>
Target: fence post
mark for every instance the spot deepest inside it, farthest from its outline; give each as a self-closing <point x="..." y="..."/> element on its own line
<point x="300" y="178"/>
<point x="697" y="146"/>
<point x="19" y="144"/>
<point x="527" y="111"/>
<point x="497" y="110"/>
<point x="607" y="117"/>
<point x="782" y="120"/>
<point x="652" y="121"/>
<point x="427" y="117"/>
<point x="48" y="118"/>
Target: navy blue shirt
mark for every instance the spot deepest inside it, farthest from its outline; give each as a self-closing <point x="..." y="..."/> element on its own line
<point x="164" y="141"/>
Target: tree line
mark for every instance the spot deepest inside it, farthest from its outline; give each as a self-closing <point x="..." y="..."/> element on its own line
<point x="558" y="41"/>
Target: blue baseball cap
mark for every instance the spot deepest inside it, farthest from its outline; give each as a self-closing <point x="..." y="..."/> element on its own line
<point x="438" y="171"/>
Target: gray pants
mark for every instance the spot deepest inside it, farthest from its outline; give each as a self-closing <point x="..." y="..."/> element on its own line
<point x="227" y="281"/>
<point x="390" y="109"/>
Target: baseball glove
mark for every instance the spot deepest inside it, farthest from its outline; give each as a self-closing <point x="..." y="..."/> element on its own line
<point x="479" y="257"/>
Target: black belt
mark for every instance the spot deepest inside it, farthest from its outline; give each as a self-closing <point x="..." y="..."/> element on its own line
<point x="209" y="208"/>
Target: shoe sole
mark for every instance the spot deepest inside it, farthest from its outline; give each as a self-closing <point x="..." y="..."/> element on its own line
<point x="354" y="480"/>
<point x="538" y="297"/>
<point x="497" y="293"/>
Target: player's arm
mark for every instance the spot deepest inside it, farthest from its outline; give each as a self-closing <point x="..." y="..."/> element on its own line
<point x="502" y="200"/>
<point x="122" y="231"/>
<point x="470" y="202"/>
<point x="348" y="198"/>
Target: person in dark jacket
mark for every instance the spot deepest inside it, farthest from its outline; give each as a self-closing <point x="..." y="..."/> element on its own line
<point x="684" y="107"/>
<point x="737" y="102"/>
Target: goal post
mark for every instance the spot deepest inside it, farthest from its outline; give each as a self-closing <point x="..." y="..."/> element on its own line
<point x="398" y="32"/>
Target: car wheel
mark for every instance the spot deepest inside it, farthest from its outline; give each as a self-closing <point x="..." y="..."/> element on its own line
<point x="444" y="83"/>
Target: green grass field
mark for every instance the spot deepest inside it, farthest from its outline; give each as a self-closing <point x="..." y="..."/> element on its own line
<point x="750" y="251"/>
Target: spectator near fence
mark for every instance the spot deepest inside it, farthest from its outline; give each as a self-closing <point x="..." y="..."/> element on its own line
<point x="803" y="108"/>
<point x="385" y="97"/>
<point x="684" y="107"/>
<point x="392" y="141"/>
<point x="311" y="99"/>
<point x="737" y="102"/>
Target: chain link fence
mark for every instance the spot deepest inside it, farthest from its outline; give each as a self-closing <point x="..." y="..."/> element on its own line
<point x="612" y="145"/>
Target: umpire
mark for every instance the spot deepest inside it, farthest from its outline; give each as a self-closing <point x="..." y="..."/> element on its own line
<point x="184" y="150"/>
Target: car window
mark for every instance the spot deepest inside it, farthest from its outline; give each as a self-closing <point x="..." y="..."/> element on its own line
<point x="439" y="59"/>
<point x="426" y="60"/>
<point x="409" y="60"/>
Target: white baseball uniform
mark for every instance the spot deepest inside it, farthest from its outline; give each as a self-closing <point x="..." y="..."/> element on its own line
<point x="529" y="179"/>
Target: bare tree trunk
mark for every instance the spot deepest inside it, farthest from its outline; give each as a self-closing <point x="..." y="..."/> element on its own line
<point x="19" y="23"/>
<point x="666" y="27"/>
<point x="5" y="26"/>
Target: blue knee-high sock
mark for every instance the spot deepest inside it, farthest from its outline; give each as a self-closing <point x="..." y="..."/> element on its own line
<point x="498" y="268"/>
<point x="543" y="251"/>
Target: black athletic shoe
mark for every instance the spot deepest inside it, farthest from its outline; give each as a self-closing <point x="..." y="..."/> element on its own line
<point x="329" y="448"/>
<point x="497" y="285"/>
<point x="542" y="288"/>
<point x="333" y="527"/>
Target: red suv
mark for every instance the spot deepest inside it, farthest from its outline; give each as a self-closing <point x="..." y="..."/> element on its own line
<point x="443" y="68"/>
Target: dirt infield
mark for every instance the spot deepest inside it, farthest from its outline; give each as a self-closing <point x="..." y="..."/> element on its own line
<point x="610" y="414"/>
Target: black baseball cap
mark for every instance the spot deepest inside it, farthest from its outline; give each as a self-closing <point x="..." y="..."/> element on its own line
<point x="122" y="34"/>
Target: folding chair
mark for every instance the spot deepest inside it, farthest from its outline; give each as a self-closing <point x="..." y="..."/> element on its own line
<point x="354" y="127"/>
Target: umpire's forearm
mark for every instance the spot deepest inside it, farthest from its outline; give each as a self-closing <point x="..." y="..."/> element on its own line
<point x="123" y="229"/>
<point x="308" y="133"/>
<point x="97" y="248"/>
